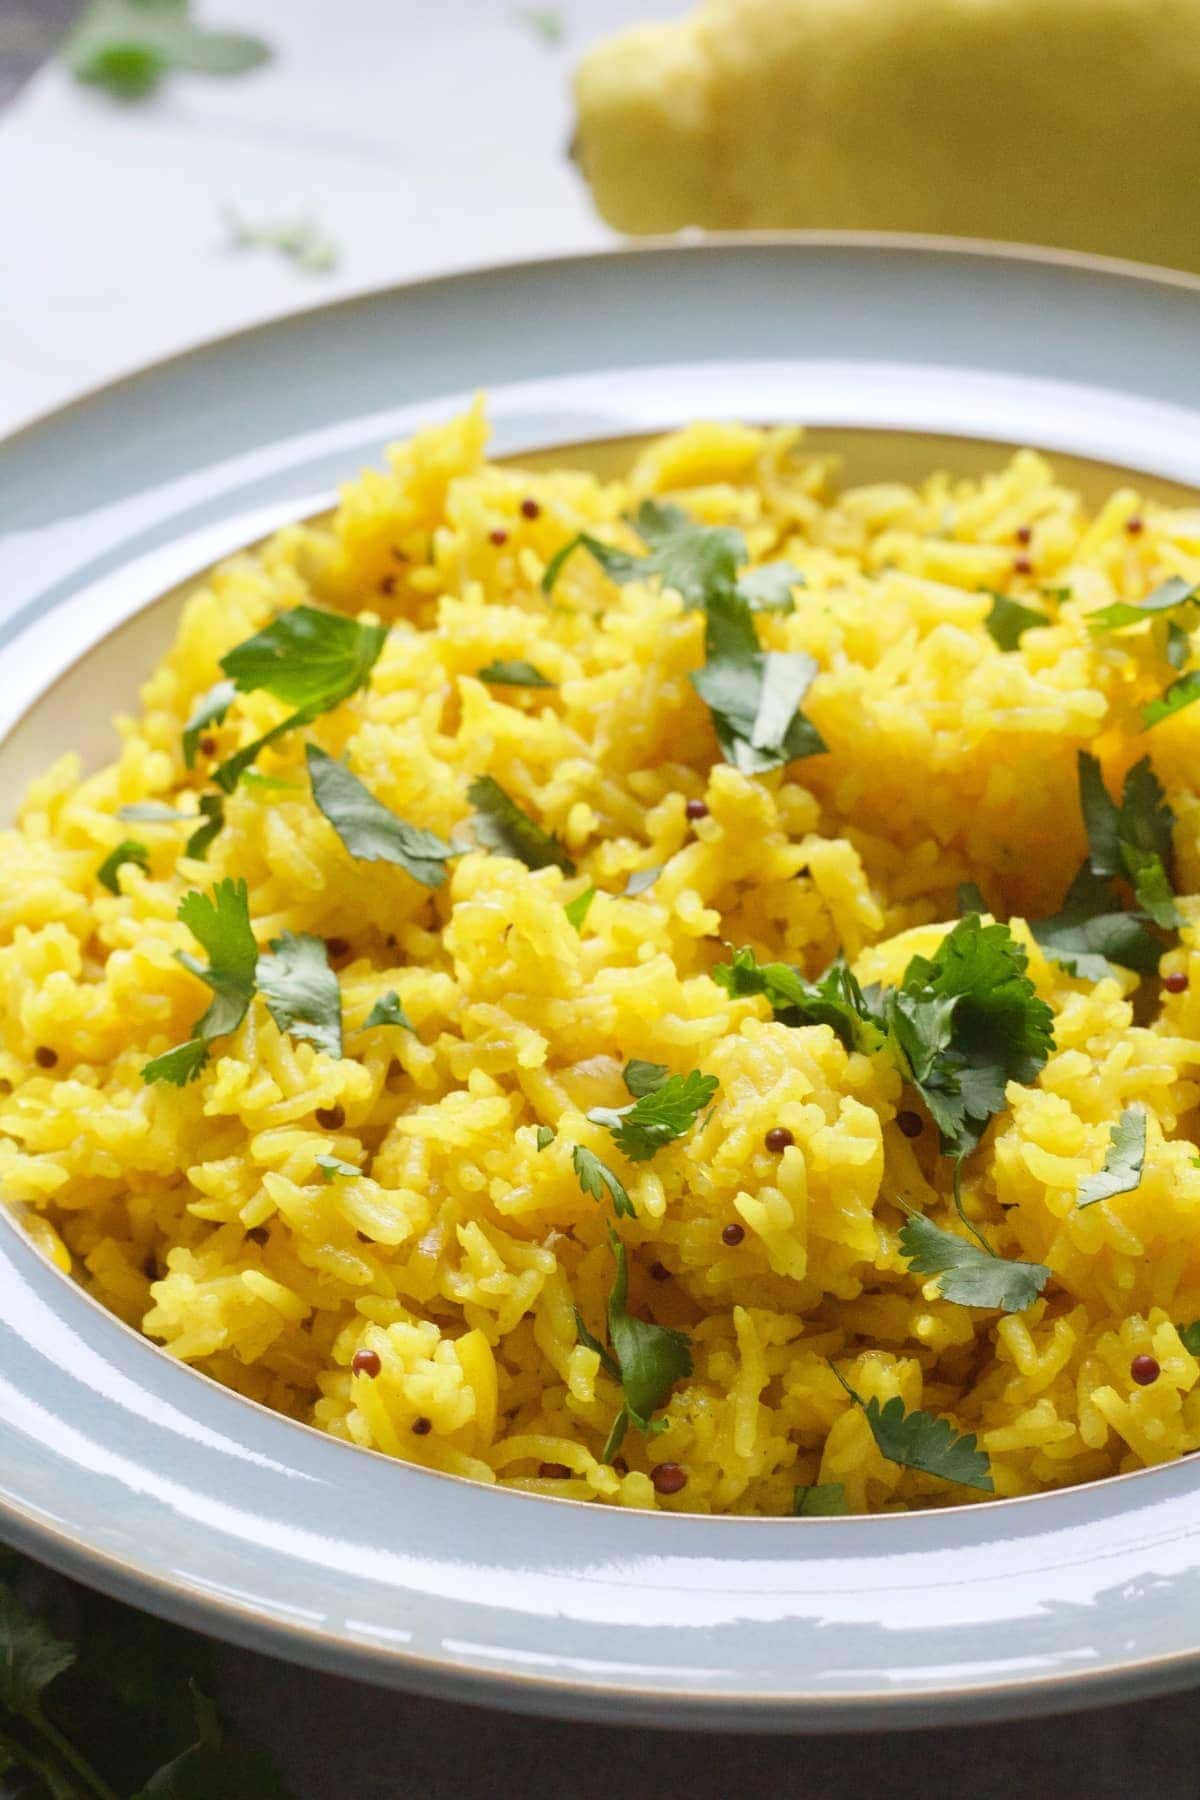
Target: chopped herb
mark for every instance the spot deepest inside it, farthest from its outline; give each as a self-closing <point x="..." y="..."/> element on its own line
<point x="128" y="851"/>
<point x="768" y="588"/>
<point x="640" y="880"/>
<point x="303" y="241"/>
<point x="514" y="674"/>
<point x="967" y="1021"/>
<point x="1173" y="699"/>
<point x="127" y="46"/>
<point x="1124" y="1160"/>
<point x="1131" y="840"/>
<point x="221" y="926"/>
<point x="210" y="709"/>
<point x="754" y="695"/>
<point x="970" y="900"/>
<point x="1174" y="595"/>
<point x="301" y="990"/>
<point x="644" y="1077"/>
<point x="1092" y="932"/>
<point x="659" y="1116"/>
<point x="595" y="1178"/>
<point x="370" y="831"/>
<point x="918" y="1440"/>
<point x="502" y="826"/>
<point x="545" y="22"/>
<point x="311" y="660"/>
<point x="647" y="1359"/>
<point x="970" y="1276"/>
<point x="1178" y="644"/>
<point x="821" y="1500"/>
<point x="212" y="811"/>
<point x="544" y="1136"/>
<point x="1189" y="1337"/>
<point x="695" y="561"/>
<point x="387" y="1010"/>
<point x="153" y="812"/>
<point x="330" y="1166"/>
<point x="1008" y="620"/>
<point x="577" y="909"/>
<point x="836" y="1000"/>
<point x="269" y="784"/>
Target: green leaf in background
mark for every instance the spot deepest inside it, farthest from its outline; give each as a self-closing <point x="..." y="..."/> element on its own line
<point x="919" y="1440"/>
<point x="370" y="831"/>
<point x="31" y="1656"/>
<point x="970" y="1276"/>
<point x="546" y="22"/>
<point x="301" y="990"/>
<point x="502" y="826"/>
<point x="820" y="1500"/>
<point x="1121" y="1171"/>
<point x="127" y="46"/>
<point x="1009" y="620"/>
<point x="514" y="674"/>
<point x="302" y="241"/>
<point x="1189" y="1337"/>
<point x="208" y="1771"/>
<point x="128" y="851"/>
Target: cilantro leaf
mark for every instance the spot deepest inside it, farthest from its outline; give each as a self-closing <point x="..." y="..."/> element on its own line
<point x="127" y="851"/>
<point x="821" y="1500"/>
<point x="221" y="926"/>
<point x="212" y="811"/>
<point x="210" y="709"/>
<point x="544" y="1136"/>
<point x="1124" y="1160"/>
<point x="1189" y="1337"/>
<point x="301" y="990"/>
<point x="1173" y="699"/>
<point x="303" y="241"/>
<point x="639" y="880"/>
<point x="514" y="674"/>
<point x="31" y="1657"/>
<point x="153" y="812"/>
<point x="695" y="561"/>
<point x="1092" y="932"/>
<point x="966" y="1022"/>
<point x="1133" y="839"/>
<point x="311" y="660"/>
<point x="1174" y="595"/>
<point x="768" y="588"/>
<point x="644" y="1077"/>
<point x="179" y="1065"/>
<point x="918" y="1440"/>
<point x="545" y="22"/>
<point x="127" y="46"/>
<point x="970" y="900"/>
<point x="650" y="1358"/>
<point x="208" y="1771"/>
<point x="970" y="1276"/>
<point x="1009" y="620"/>
<point x="370" y="831"/>
<point x="658" y="1116"/>
<point x="1178" y="644"/>
<point x="387" y="1010"/>
<point x="331" y="1166"/>
<point x="754" y="695"/>
<point x="577" y="909"/>
<point x="595" y="1178"/>
<point x="836" y="1000"/>
<point x="502" y="826"/>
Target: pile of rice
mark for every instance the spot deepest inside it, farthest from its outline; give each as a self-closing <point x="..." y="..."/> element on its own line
<point x="460" y="1254"/>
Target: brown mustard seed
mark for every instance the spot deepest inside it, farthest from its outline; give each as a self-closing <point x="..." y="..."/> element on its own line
<point x="498" y="536"/>
<point x="1022" y="566"/>
<point x="258" y="1234"/>
<point x="336" y="946"/>
<point x="422" y="1427"/>
<point x="1024" y="534"/>
<point x="530" y="509"/>
<point x="1144" y="1370"/>
<point x="388" y="585"/>
<point x="331" y="1118"/>
<point x="659" y="1272"/>
<point x="910" y="1123"/>
<point x="45" y="1057"/>
<point x="208" y="745"/>
<point x="1135" y="526"/>
<point x="668" y="1478"/>
<point x="778" y="1139"/>
<point x="733" y="1234"/>
<point x="696" y="809"/>
<point x="1176" y="982"/>
<point x="553" y="1472"/>
<point x="366" y="1362"/>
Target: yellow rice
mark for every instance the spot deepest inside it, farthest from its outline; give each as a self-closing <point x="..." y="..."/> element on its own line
<point x="198" y="1214"/>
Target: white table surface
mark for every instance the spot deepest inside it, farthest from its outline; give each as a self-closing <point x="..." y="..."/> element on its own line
<point x="423" y="135"/>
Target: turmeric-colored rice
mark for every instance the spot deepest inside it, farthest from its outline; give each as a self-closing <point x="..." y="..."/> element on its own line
<point x="459" y="1254"/>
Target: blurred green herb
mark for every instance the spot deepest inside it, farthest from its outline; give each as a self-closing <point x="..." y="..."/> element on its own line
<point x="546" y="22"/>
<point x="128" y="46"/>
<point x="302" y="241"/>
